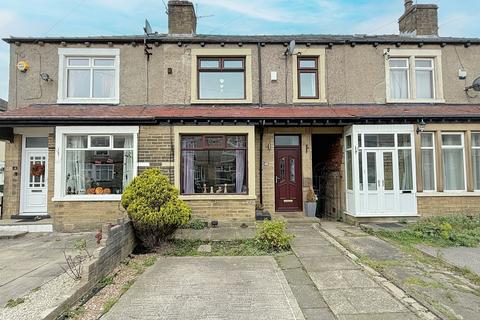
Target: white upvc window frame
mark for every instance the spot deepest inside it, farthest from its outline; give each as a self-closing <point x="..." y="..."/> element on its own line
<point x="60" y="142"/>
<point x="473" y="164"/>
<point x="90" y="53"/>
<point x="434" y="162"/>
<point x="412" y="55"/>
<point x="462" y="135"/>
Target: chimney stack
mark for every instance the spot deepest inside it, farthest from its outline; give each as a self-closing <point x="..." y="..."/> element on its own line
<point x="182" y="19"/>
<point x="419" y="19"/>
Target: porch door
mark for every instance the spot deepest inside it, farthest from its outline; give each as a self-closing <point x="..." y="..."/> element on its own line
<point x="288" y="180"/>
<point x="34" y="177"/>
<point x="380" y="181"/>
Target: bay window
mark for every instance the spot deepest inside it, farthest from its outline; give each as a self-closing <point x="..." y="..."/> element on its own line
<point x="453" y="158"/>
<point x="94" y="166"/>
<point x="88" y="76"/>
<point x="213" y="164"/>
<point x="427" y="147"/>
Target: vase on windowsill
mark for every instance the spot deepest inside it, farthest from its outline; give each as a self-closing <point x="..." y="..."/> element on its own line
<point x="311" y="203"/>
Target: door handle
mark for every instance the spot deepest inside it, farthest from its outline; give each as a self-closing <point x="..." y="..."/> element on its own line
<point x="276" y="179"/>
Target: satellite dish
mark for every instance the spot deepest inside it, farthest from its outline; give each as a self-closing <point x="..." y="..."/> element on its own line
<point x="291" y="48"/>
<point x="476" y="84"/>
<point x="147" y="28"/>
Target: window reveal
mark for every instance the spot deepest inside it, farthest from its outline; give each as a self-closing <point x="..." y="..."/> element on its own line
<point x="307" y="77"/>
<point x="214" y="164"/>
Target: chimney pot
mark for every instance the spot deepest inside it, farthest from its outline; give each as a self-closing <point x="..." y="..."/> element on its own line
<point x="182" y="19"/>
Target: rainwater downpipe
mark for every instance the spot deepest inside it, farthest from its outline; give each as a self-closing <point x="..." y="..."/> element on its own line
<point x="260" y="104"/>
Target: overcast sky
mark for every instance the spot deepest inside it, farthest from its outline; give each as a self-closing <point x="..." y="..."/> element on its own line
<point x="116" y="17"/>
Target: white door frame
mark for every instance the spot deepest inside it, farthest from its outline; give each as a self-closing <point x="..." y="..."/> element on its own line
<point x="25" y="174"/>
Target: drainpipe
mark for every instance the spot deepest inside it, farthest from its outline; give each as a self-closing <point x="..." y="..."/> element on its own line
<point x="261" y="162"/>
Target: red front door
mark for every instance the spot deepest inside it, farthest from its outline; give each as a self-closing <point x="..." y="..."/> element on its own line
<point x="288" y="179"/>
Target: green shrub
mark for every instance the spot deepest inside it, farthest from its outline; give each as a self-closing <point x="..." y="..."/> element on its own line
<point x="272" y="234"/>
<point x="153" y="205"/>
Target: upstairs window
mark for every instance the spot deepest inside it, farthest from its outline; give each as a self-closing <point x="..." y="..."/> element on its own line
<point x="88" y="76"/>
<point x="307" y="77"/>
<point x="414" y="76"/>
<point x="221" y="78"/>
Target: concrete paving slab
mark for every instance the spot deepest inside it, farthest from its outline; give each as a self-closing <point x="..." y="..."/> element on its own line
<point x="297" y="276"/>
<point x="307" y="296"/>
<point x="318" y="314"/>
<point x="313" y="251"/>
<point x="316" y="242"/>
<point x="342" y="279"/>
<point x="379" y="316"/>
<point x="461" y="257"/>
<point x="288" y="262"/>
<point x="361" y="300"/>
<point x="209" y="288"/>
<point x="11" y="234"/>
<point x="313" y="264"/>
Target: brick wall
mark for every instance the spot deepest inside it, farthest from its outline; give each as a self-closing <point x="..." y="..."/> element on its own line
<point x="231" y="210"/>
<point x="155" y="147"/>
<point x="434" y="206"/>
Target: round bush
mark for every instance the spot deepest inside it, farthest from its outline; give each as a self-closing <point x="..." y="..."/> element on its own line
<point x="153" y="205"/>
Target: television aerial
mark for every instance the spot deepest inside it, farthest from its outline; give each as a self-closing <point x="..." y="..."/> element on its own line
<point x="147" y="29"/>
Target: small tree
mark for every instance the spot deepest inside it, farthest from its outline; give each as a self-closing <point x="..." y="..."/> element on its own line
<point x="153" y="205"/>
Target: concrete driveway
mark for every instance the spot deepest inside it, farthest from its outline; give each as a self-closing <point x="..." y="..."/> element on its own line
<point x="210" y="288"/>
<point x="32" y="260"/>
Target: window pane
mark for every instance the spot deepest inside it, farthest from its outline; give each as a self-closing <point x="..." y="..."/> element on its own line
<point x="236" y="141"/>
<point x="451" y="140"/>
<point x="121" y="142"/>
<point x="453" y="169"/>
<point x="36" y="142"/>
<point x="104" y="62"/>
<point x="209" y="64"/>
<point x="360" y="170"/>
<point x="214" y="142"/>
<point x="287" y="140"/>
<point x="424" y="84"/>
<point x="221" y="85"/>
<point x="428" y="170"/>
<point x="423" y="63"/>
<point x="476" y="139"/>
<point x="360" y="140"/>
<point x="399" y="84"/>
<point x="104" y="83"/>
<point x="308" y="84"/>
<point x="405" y="169"/>
<point x="214" y="171"/>
<point x="349" y="170"/>
<point x="348" y="142"/>
<point x="404" y="140"/>
<point x="100" y="141"/>
<point x="192" y="142"/>
<point x="388" y="171"/>
<point x="379" y="140"/>
<point x="427" y="140"/>
<point x="398" y="63"/>
<point x="476" y="168"/>
<point x="77" y="142"/>
<point x="79" y="62"/>
<point x="233" y="64"/>
<point x="304" y="63"/>
<point x="372" y="170"/>
<point x="96" y="172"/>
<point x="78" y="84"/>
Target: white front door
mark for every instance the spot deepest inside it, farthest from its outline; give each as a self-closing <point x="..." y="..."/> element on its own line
<point x="34" y="181"/>
<point x="381" y="181"/>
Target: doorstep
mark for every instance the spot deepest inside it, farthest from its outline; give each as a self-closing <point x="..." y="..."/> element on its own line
<point x="26" y="225"/>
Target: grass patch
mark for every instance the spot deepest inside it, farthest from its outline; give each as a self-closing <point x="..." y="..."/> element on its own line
<point x="105" y="281"/>
<point x="413" y="281"/>
<point x="74" y="312"/>
<point x="150" y="261"/>
<point x="195" y="224"/>
<point x="11" y="303"/>
<point x="36" y="289"/>
<point x="443" y="231"/>
<point x="109" y="304"/>
<point x="248" y="247"/>
<point x="379" y="265"/>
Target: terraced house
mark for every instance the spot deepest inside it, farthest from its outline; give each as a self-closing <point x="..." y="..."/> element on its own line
<point x="381" y="127"/>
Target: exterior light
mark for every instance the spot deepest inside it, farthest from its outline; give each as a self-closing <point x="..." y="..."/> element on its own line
<point x="421" y="126"/>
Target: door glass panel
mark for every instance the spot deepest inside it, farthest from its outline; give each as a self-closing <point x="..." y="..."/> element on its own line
<point x="37" y="172"/>
<point x="360" y="170"/>
<point x="292" y="170"/>
<point x="287" y="140"/>
<point x="36" y="142"/>
<point x="372" y="170"/>
<point x="349" y="170"/>
<point x="282" y="169"/>
<point x="388" y="171"/>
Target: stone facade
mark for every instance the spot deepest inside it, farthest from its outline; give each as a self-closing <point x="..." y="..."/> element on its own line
<point x="420" y="20"/>
<point x="438" y="205"/>
<point x="181" y="17"/>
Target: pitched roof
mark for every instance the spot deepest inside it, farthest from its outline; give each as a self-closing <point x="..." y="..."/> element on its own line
<point x="275" y="39"/>
<point x="141" y="114"/>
